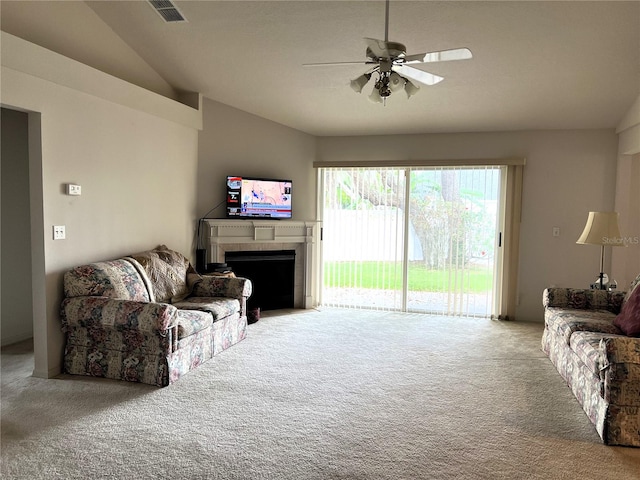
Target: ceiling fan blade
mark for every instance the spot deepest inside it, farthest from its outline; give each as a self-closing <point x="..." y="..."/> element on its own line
<point x="441" y="56"/>
<point x="417" y="75"/>
<point x="361" y="62"/>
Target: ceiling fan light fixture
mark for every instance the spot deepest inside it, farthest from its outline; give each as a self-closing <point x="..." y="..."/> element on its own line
<point x="358" y="84"/>
<point x="410" y="88"/>
<point x="375" y="96"/>
<point x="396" y="82"/>
<point x="392" y="66"/>
<point x="382" y="85"/>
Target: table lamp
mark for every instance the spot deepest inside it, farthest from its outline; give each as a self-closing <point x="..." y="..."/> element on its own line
<point x="602" y="229"/>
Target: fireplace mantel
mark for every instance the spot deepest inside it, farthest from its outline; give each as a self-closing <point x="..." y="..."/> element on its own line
<point x="236" y="235"/>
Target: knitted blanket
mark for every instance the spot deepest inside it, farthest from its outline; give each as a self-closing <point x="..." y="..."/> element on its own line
<point x="170" y="276"/>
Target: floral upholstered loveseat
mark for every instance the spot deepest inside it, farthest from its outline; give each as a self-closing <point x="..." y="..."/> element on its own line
<point x="148" y="317"/>
<point x="591" y="336"/>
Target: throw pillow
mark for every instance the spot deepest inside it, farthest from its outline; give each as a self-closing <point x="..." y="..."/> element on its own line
<point x="628" y="320"/>
<point x="632" y="287"/>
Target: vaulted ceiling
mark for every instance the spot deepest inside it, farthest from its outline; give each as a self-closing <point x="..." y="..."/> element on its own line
<point x="536" y="65"/>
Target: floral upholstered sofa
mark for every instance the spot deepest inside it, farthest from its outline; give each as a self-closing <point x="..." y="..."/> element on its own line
<point x="591" y="336"/>
<point x="148" y="317"/>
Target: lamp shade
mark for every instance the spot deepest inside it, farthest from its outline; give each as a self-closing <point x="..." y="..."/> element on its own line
<point x="358" y="84"/>
<point x="602" y="229"/>
<point x="396" y="82"/>
<point x="375" y="96"/>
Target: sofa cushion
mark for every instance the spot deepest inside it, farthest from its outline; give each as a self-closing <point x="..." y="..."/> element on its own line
<point x="170" y="273"/>
<point x="628" y="320"/>
<point x="217" y="306"/>
<point x="565" y="321"/>
<point x="117" y="279"/>
<point x="192" y="321"/>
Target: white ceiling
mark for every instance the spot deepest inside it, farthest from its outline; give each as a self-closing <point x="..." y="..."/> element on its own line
<point x="536" y="65"/>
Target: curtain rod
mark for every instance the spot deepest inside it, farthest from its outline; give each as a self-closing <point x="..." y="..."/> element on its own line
<point x="453" y="162"/>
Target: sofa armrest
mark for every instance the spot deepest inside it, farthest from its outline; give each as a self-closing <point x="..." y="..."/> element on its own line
<point x="217" y="286"/>
<point x="107" y="312"/>
<point x="620" y="349"/>
<point x="583" y="298"/>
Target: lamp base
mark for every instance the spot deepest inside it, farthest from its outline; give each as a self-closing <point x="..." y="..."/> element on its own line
<point x="601" y="283"/>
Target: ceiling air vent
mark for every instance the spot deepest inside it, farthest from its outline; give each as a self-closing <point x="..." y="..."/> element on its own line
<point x="167" y="10"/>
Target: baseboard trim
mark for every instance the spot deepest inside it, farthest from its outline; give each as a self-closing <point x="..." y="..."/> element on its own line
<point x="50" y="373"/>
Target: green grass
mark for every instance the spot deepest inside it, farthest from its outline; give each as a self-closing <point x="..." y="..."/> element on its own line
<point x="388" y="276"/>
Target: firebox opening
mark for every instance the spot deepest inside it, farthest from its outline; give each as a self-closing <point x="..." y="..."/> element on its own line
<point x="272" y="273"/>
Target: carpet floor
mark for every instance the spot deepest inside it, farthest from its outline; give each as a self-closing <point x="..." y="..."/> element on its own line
<point x="319" y="394"/>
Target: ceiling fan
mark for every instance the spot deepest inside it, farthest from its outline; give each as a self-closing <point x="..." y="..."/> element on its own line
<point x="392" y="66"/>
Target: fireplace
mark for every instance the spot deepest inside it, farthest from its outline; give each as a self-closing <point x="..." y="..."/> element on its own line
<point x="272" y="273"/>
<point x="232" y="236"/>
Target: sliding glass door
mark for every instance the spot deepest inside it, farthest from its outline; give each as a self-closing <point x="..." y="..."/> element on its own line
<point x="411" y="239"/>
<point x="453" y="213"/>
<point x="363" y="238"/>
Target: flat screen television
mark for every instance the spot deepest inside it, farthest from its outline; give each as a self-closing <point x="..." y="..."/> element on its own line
<point x="252" y="197"/>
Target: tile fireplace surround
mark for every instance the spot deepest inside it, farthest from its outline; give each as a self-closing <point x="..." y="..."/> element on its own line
<point x="223" y="236"/>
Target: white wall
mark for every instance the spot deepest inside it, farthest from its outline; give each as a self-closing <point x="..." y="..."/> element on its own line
<point x="567" y="174"/>
<point x="626" y="261"/>
<point x="17" y="312"/>
<point x="133" y="152"/>
<point x="233" y="142"/>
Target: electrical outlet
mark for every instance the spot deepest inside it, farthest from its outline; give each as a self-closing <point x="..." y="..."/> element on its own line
<point x="59" y="232"/>
<point x="556" y="231"/>
<point x="74" y="189"/>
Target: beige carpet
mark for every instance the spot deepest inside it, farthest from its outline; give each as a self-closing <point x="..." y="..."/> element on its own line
<point x="330" y="394"/>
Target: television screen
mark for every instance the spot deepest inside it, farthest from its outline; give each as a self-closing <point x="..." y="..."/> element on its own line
<point x="258" y="198"/>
